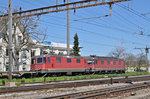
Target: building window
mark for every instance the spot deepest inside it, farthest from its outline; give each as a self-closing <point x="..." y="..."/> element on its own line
<point x="102" y="62"/>
<point x="108" y="62"/>
<point x="6" y="67"/>
<point x="77" y="60"/>
<point x="32" y="53"/>
<point x="19" y="39"/>
<point x="0" y="51"/>
<point x="44" y="59"/>
<point x="33" y="61"/>
<point x="24" y="55"/>
<point x="114" y="63"/>
<point x="68" y="60"/>
<point x="49" y="60"/>
<point x="39" y="60"/>
<point x="24" y="63"/>
<point x="119" y="62"/>
<point x="24" y="68"/>
<point x="7" y="52"/>
<point x="58" y="60"/>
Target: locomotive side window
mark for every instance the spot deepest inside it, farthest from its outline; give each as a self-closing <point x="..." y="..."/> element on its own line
<point x="33" y="61"/>
<point x="114" y="63"/>
<point x="77" y="60"/>
<point x="68" y="60"/>
<point x="119" y="62"/>
<point x="39" y="60"/>
<point x="48" y="60"/>
<point x="58" y="60"/>
<point x="108" y="62"/>
<point x="44" y="59"/>
<point x="102" y="62"/>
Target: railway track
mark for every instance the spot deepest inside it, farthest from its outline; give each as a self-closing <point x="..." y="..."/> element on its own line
<point x="101" y="93"/>
<point x="73" y="84"/>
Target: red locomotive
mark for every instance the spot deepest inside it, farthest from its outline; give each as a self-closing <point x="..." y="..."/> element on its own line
<point x="55" y="64"/>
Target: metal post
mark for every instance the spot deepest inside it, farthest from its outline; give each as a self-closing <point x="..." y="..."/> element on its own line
<point x="122" y="50"/>
<point x="147" y="62"/>
<point x="68" y="31"/>
<point x="10" y="41"/>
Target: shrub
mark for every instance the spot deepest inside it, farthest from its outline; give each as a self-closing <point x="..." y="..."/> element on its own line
<point x="33" y="80"/>
<point x="55" y="79"/>
<point x="23" y="80"/>
<point x="18" y="84"/>
<point x="3" y="82"/>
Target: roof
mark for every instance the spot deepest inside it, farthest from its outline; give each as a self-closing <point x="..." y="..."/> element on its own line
<point x="88" y="57"/>
<point x="102" y="57"/>
<point x="65" y="56"/>
<point x="51" y="44"/>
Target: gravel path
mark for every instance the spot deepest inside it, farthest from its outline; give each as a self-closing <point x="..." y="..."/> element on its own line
<point x="53" y="92"/>
<point x="141" y="94"/>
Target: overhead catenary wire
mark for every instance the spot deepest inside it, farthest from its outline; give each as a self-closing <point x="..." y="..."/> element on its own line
<point x="87" y="31"/>
<point x="134" y="12"/>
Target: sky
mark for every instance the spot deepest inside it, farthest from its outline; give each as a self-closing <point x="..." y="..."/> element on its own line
<point x="98" y="35"/>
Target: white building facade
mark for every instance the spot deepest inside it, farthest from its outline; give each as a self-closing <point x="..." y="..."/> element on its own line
<point x="25" y="54"/>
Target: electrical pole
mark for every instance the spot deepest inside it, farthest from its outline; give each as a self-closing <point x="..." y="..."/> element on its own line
<point x="122" y="50"/>
<point x="147" y="62"/>
<point x="68" y="31"/>
<point x="10" y="41"/>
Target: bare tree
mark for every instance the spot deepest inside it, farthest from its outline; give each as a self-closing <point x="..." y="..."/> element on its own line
<point x="118" y="52"/>
<point x="141" y="61"/>
<point x="130" y="60"/>
<point x="24" y="30"/>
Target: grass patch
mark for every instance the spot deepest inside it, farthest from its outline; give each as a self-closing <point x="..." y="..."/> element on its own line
<point x="62" y="78"/>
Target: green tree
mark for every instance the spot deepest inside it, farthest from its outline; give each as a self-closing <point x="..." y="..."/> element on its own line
<point x="76" y="48"/>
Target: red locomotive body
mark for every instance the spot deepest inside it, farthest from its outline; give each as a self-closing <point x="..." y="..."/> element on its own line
<point x="59" y="64"/>
<point x="72" y="64"/>
<point x="109" y="65"/>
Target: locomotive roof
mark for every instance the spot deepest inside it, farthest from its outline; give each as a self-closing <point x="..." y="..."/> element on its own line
<point x="103" y="57"/>
<point x="66" y="56"/>
<point x="88" y="57"/>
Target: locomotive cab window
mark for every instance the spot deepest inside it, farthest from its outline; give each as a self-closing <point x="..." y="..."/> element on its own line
<point x="44" y="59"/>
<point x="48" y="60"/>
<point x="58" y="60"/>
<point x="77" y="60"/>
<point x="33" y="61"/>
<point x="114" y="63"/>
<point x="39" y="60"/>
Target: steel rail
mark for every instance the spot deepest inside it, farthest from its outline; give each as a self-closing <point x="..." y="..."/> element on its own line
<point x="71" y="84"/>
<point x="99" y="93"/>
